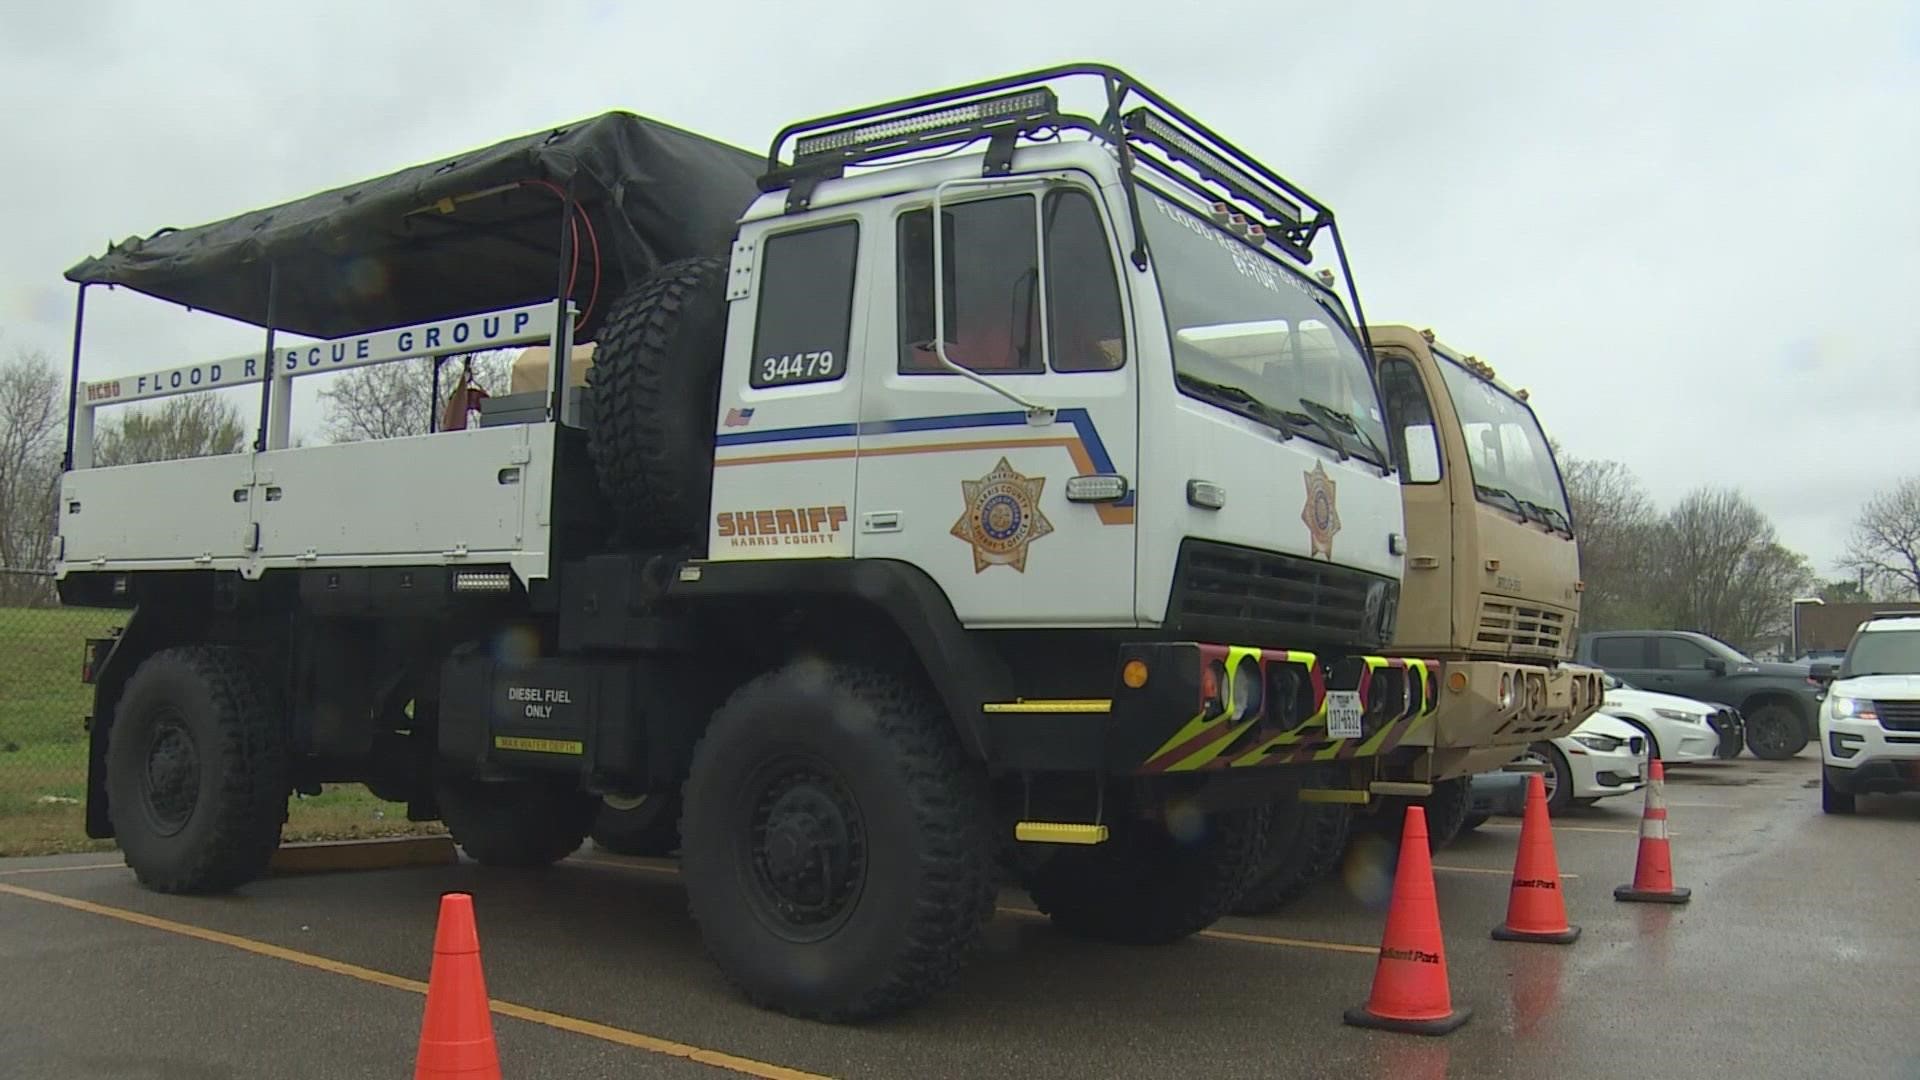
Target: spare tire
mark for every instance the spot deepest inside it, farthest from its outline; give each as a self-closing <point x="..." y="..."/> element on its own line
<point x="653" y="390"/>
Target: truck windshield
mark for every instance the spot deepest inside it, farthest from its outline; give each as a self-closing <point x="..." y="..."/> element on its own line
<point x="1513" y="466"/>
<point x="1253" y="337"/>
<point x="1883" y="652"/>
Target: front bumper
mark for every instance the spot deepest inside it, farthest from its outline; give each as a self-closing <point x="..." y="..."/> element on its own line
<point x="1865" y="757"/>
<point x="1191" y="707"/>
<point x="1731" y="728"/>
<point x="1598" y="774"/>
<point x="1489" y="711"/>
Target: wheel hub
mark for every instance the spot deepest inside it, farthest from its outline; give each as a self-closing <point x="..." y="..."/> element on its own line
<point x="172" y="776"/>
<point x="808" y="849"/>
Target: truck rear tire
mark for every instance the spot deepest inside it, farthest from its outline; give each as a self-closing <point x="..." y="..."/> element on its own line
<point x="1304" y="842"/>
<point x="651" y="828"/>
<point x="1145" y="887"/>
<point x="835" y="844"/>
<point x="197" y="780"/>
<point x="515" y="823"/>
<point x="653" y="388"/>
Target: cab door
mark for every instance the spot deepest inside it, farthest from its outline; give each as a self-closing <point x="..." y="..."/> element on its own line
<point x="1020" y="523"/>
<point x="1427" y="606"/>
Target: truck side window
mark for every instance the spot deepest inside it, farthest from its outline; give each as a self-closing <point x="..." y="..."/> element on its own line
<point x="1619" y="652"/>
<point x="1085" y="329"/>
<point x="992" y="285"/>
<point x="1679" y="654"/>
<point x="1410" y="427"/>
<point x="806" y="305"/>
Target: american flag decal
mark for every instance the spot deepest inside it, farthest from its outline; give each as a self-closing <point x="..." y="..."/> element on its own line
<point x="739" y="417"/>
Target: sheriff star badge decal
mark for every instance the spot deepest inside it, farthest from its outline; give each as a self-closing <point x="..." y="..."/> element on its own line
<point x="1002" y="517"/>
<point x="1321" y="512"/>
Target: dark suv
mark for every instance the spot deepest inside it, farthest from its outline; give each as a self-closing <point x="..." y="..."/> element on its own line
<point x="1779" y="702"/>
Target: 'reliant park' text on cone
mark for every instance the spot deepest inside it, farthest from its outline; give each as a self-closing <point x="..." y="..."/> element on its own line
<point x="1410" y="993"/>
<point x="1536" y="904"/>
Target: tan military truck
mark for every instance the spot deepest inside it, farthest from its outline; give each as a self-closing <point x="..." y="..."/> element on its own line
<point x="1491" y="593"/>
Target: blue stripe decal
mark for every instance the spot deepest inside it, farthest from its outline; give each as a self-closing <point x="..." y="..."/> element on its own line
<point x="1080" y="420"/>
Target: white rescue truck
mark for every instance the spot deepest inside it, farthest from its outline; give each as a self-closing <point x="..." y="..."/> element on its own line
<point x="1064" y="530"/>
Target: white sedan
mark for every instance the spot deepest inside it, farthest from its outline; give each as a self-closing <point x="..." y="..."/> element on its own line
<point x="1602" y="757"/>
<point x="1677" y="728"/>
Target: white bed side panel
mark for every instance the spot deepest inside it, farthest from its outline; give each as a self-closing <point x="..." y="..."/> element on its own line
<point x="177" y="512"/>
<point x="424" y="498"/>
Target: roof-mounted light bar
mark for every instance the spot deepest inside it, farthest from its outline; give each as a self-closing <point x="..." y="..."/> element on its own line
<point x="931" y="125"/>
<point x="1144" y="124"/>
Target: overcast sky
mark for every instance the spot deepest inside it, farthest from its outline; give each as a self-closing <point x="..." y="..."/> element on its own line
<point x="1691" y="230"/>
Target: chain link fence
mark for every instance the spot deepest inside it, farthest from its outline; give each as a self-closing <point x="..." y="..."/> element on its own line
<point x="43" y="738"/>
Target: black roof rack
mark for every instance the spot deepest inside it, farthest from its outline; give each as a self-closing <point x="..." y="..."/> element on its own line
<point x="1018" y="107"/>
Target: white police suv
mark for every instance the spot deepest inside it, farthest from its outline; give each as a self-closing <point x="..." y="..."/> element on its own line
<point x="1870" y="721"/>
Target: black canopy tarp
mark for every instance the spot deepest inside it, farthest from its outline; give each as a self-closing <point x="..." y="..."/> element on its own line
<point x="465" y="234"/>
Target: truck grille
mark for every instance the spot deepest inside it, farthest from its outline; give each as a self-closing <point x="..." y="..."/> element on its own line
<point x="1519" y="628"/>
<point x="1899" y="715"/>
<point x="1244" y="596"/>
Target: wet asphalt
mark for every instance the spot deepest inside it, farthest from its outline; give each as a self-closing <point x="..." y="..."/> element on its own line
<point x="1798" y="956"/>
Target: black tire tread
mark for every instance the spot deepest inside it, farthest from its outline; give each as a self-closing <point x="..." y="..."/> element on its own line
<point x="252" y="808"/>
<point x="1781" y="713"/>
<point x="1300" y="858"/>
<point x="636" y="387"/>
<point x="1136" y="890"/>
<point x="515" y="824"/>
<point x="657" y="834"/>
<point x="951" y="806"/>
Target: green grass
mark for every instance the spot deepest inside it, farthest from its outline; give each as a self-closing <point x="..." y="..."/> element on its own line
<point x="43" y="746"/>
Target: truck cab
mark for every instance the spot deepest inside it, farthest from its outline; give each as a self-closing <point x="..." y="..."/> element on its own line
<point x="1492" y="568"/>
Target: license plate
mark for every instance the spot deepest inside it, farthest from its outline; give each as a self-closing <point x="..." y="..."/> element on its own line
<point x="1343" y="714"/>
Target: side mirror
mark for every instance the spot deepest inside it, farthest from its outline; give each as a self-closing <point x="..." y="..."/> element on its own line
<point x="1823" y="672"/>
<point x="1717" y="666"/>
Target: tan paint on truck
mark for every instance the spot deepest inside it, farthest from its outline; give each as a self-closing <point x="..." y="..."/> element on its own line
<point x="1491" y="597"/>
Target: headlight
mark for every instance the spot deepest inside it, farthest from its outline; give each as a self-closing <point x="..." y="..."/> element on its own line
<point x="1683" y="717"/>
<point x="1853" y="708"/>
<point x="1602" y="743"/>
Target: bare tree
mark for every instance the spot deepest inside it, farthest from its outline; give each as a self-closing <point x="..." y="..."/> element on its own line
<point x="1885" y="546"/>
<point x="384" y="401"/>
<point x="1615" y="521"/>
<point x="198" y="425"/>
<point x="31" y="440"/>
<point x="1721" y="570"/>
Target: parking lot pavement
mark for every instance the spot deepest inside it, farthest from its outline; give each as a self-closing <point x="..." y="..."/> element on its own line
<point x="1795" y="957"/>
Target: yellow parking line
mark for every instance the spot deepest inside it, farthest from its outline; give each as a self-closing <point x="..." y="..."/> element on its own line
<point x="1029" y="913"/>
<point x="621" y="1036"/>
<point x="64" y="869"/>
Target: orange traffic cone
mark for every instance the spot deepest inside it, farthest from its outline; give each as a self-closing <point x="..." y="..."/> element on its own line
<point x="1653" y="869"/>
<point x="456" y="1037"/>
<point x="1410" y="979"/>
<point x="1536" y="908"/>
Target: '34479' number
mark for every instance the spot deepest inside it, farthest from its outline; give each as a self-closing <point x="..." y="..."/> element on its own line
<point x="797" y="367"/>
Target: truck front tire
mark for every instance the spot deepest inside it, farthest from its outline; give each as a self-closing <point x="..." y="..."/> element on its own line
<point x="835" y="843"/>
<point x="1148" y="886"/>
<point x="197" y="771"/>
